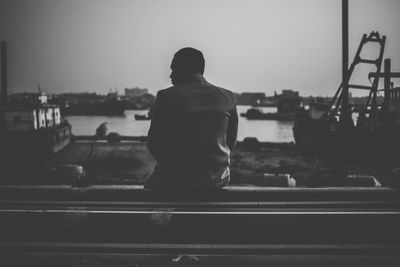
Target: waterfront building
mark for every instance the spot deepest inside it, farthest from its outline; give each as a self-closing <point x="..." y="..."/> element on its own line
<point x="135" y="92"/>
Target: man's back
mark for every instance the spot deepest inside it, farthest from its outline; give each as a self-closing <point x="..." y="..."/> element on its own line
<point x="193" y="130"/>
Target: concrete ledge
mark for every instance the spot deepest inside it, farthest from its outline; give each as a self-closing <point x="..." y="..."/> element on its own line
<point x="203" y="249"/>
<point x="229" y="193"/>
<point x="41" y="258"/>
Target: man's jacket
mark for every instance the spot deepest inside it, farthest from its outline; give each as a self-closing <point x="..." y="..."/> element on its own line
<point x="193" y="130"/>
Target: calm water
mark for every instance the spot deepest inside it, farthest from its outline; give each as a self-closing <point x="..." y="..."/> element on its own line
<point x="264" y="130"/>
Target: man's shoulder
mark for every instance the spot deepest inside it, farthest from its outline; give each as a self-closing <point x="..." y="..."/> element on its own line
<point x="169" y="90"/>
<point x="185" y="90"/>
<point x="164" y="91"/>
<point x="226" y="91"/>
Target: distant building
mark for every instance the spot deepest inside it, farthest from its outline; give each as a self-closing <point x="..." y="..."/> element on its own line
<point x="112" y="95"/>
<point x="286" y="93"/>
<point x="135" y="92"/>
<point x="289" y="101"/>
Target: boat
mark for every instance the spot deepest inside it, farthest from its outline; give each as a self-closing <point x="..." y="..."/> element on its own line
<point x="289" y="103"/>
<point x="341" y="129"/>
<point x="139" y="117"/>
<point x="144" y="117"/>
<point x="30" y="129"/>
<point x="35" y="126"/>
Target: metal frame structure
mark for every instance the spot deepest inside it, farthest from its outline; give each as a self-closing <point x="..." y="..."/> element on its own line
<point x="340" y="106"/>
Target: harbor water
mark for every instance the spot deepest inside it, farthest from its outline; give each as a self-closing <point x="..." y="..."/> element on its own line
<point x="263" y="130"/>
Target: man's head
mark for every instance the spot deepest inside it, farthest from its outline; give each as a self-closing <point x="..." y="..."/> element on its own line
<point x="186" y="61"/>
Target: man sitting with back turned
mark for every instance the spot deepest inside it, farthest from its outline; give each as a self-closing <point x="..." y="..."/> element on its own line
<point x="193" y="129"/>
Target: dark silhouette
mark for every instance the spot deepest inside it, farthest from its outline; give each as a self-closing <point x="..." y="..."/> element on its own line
<point x="193" y="129"/>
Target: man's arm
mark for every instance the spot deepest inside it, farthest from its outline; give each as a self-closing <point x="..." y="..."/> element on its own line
<point x="157" y="136"/>
<point x="232" y="127"/>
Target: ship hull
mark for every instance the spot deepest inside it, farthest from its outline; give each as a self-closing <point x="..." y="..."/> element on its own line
<point x="318" y="135"/>
<point x="47" y="140"/>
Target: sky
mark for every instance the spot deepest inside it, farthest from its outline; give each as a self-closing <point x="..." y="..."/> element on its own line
<point x="248" y="45"/>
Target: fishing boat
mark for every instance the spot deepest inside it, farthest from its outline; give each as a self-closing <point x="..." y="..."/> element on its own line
<point x="289" y="103"/>
<point x="144" y="117"/>
<point x="32" y="126"/>
<point x="140" y="117"/>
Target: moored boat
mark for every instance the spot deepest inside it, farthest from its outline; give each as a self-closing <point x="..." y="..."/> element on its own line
<point x="139" y="117"/>
<point x="289" y="102"/>
<point x="33" y="126"/>
<point x="29" y="129"/>
<point x="143" y="117"/>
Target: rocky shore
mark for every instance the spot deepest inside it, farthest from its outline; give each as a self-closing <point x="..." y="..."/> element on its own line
<point x="131" y="163"/>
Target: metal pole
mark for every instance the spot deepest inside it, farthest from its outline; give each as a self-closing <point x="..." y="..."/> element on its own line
<point x="345" y="59"/>
<point x="3" y="96"/>
<point x="387" y="83"/>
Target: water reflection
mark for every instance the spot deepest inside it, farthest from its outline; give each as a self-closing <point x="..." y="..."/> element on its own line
<point x="263" y="130"/>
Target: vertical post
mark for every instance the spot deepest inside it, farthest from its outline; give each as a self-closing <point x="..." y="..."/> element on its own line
<point x="345" y="59"/>
<point x="54" y="117"/>
<point x="45" y="117"/>
<point x="37" y="111"/>
<point x="3" y="96"/>
<point x="387" y="71"/>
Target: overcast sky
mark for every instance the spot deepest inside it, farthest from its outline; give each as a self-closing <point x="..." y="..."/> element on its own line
<point x="249" y="45"/>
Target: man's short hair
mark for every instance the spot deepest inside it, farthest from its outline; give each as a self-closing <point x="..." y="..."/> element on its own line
<point x="191" y="57"/>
